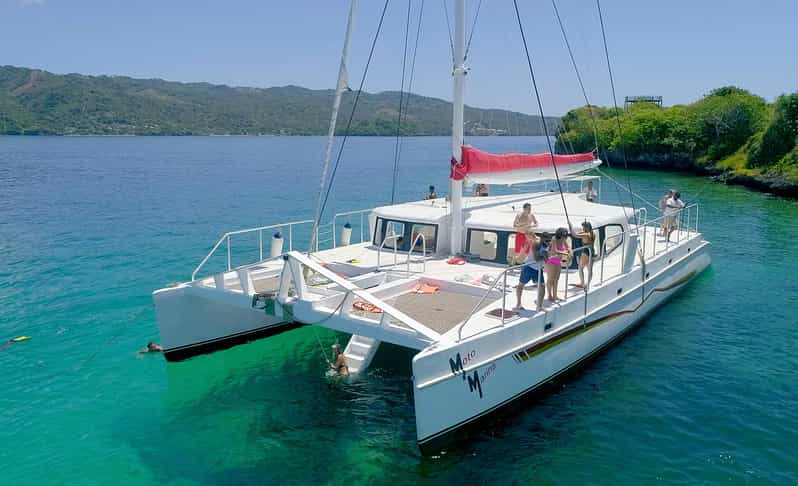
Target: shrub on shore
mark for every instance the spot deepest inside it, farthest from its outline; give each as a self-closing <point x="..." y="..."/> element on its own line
<point x="729" y="128"/>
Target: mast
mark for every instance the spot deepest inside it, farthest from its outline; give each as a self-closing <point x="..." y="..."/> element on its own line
<point x="458" y="77"/>
<point x="339" y="90"/>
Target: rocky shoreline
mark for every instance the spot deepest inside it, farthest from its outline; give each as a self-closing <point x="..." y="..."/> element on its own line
<point x="778" y="185"/>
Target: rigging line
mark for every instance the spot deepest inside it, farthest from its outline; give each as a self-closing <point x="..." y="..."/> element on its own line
<point x="449" y="28"/>
<point x="471" y="35"/>
<point x="578" y="74"/>
<point x="401" y="101"/>
<point x="620" y="185"/>
<point x="352" y="114"/>
<point x="540" y="109"/>
<point x="615" y="105"/>
<point x="410" y="86"/>
<point x="568" y="146"/>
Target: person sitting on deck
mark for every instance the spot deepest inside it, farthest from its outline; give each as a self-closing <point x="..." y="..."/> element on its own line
<point x="532" y="271"/>
<point x="523" y="224"/>
<point x="590" y="194"/>
<point x="481" y="190"/>
<point x="673" y="207"/>
<point x="339" y="365"/>
<point x="431" y="194"/>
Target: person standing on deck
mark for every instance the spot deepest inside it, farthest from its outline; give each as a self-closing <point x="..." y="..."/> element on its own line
<point x="431" y="194"/>
<point x="532" y="271"/>
<point x="523" y="224"/>
<point x="585" y="252"/>
<point x="559" y="254"/>
<point x="590" y="194"/>
<point x="663" y="203"/>
<point x="673" y="208"/>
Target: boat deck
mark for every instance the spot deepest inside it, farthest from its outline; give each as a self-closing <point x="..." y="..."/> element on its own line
<point x="462" y="288"/>
<point x="440" y="311"/>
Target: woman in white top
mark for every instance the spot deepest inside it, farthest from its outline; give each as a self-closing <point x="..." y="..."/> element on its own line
<point x="673" y="207"/>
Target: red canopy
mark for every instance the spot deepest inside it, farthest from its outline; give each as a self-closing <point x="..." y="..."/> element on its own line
<point x="477" y="162"/>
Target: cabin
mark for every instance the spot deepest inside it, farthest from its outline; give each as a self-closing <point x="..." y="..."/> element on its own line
<point x="489" y="235"/>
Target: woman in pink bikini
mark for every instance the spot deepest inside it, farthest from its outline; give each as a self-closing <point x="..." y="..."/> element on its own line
<point x="559" y="253"/>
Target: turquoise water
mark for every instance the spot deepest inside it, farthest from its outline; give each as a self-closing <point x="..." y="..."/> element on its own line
<point x="704" y="392"/>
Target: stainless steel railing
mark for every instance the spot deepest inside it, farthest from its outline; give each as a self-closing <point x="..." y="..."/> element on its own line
<point x="423" y="252"/>
<point x="685" y="216"/>
<point x="324" y="233"/>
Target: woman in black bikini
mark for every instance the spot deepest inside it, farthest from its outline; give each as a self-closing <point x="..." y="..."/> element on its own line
<point x="585" y="252"/>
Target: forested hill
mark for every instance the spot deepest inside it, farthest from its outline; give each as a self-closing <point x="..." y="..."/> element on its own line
<point x="35" y="102"/>
<point x="729" y="132"/>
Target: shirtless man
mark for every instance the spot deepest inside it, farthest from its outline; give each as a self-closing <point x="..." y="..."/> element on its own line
<point x="523" y="224"/>
<point x="339" y="365"/>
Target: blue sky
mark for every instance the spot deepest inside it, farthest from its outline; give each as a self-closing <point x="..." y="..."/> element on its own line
<point x="679" y="49"/>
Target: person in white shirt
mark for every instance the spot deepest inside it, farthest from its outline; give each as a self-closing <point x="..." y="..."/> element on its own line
<point x="673" y="206"/>
<point x="663" y="205"/>
<point x="590" y="194"/>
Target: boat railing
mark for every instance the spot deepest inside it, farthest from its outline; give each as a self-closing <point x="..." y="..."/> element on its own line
<point x="361" y="214"/>
<point x="687" y="219"/>
<point x="325" y="234"/>
<point x="227" y="237"/>
<point x="423" y="252"/>
<point x="502" y="277"/>
<point x="392" y="237"/>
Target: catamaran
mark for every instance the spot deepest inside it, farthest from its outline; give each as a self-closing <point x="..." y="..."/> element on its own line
<point x="438" y="276"/>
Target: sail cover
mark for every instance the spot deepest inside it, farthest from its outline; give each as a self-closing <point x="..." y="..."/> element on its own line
<point x="479" y="167"/>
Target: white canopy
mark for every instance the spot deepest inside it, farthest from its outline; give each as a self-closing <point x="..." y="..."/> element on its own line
<point x="548" y="210"/>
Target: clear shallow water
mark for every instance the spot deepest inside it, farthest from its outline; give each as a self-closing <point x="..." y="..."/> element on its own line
<point x="704" y="392"/>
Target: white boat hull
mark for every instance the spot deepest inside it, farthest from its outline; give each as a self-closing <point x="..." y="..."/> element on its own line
<point x="194" y="320"/>
<point x="456" y="386"/>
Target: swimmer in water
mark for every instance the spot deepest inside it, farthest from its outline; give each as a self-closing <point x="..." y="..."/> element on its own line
<point x="339" y="366"/>
<point x="151" y="347"/>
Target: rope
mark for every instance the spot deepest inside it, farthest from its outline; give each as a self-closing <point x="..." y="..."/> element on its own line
<point x="354" y="107"/>
<point x="398" y="153"/>
<point x="615" y="105"/>
<point x="321" y="348"/>
<point x="449" y="28"/>
<point x="540" y="110"/>
<point x="578" y="75"/>
<point x="471" y="35"/>
<point x="620" y="184"/>
<point x="401" y="100"/>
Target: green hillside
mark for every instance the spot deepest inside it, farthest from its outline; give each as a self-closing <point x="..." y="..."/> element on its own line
<point x="34" y="102"/>
<point x="730" y="132"/>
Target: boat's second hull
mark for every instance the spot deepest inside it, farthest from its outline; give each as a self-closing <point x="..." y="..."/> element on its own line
<point x="445" y="405"/>
<point x="194" y="321"/>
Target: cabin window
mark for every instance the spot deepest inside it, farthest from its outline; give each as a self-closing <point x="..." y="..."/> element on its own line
<point x="425" y="242"/>
<point x="613" y="238"/>
<point x="401" y="234"/>
<point x="491" y="246"/>
<point x="483" y="243"/>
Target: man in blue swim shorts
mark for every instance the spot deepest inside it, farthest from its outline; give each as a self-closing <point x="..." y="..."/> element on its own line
<point x="532" y="271"/>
